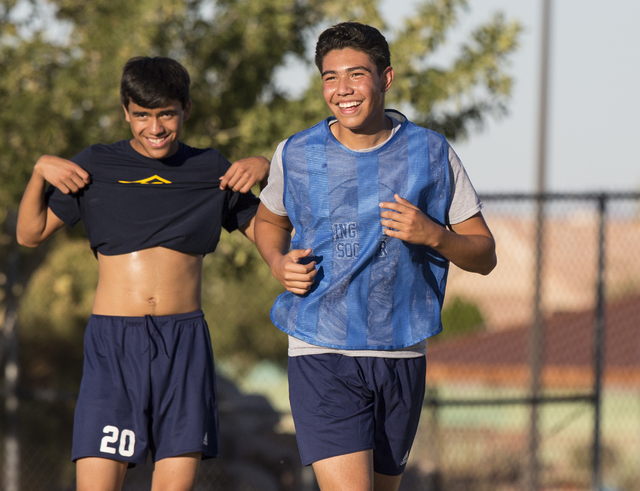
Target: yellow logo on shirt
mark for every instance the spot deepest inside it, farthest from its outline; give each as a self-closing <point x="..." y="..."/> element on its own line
<point x="149" y="180"/>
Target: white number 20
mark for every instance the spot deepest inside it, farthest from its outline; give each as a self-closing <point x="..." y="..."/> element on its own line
<point x="127" y="441"/>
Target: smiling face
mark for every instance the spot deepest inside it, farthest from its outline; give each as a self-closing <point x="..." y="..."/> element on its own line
<point x="354" y="91"/>
<point x="156" y="131"/>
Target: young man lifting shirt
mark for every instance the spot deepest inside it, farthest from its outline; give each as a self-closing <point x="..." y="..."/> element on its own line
<point x="152" y="208"/>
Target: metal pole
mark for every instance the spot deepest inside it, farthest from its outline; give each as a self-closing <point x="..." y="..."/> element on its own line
<point x="541" y="184"/>
<point x="536" y="346"/>
<point x="536" y="341"/>
<point x="598" y="340"/>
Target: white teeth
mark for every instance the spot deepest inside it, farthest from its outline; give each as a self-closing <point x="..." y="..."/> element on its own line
<point x="349" y="104"/>
<point x="156" y="140"/>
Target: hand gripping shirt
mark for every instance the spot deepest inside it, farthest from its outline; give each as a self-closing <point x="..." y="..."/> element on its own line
<point x="372" y="291"/>
<point x="134" y="202"/>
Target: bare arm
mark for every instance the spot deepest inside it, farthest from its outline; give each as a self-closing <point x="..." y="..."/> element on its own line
<point x="469" y="244"/>
<point x="36" y="222"/>
<point x="245" y="173"/>
<point x="241" y="177"/>
<point x="273" y="238"/>
<point x="248" y="229"/>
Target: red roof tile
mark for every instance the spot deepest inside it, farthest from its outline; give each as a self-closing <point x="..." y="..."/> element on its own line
<point x="568" y="347"/>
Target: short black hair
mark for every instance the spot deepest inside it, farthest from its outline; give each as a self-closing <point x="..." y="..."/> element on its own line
<point x="354" y="35"/>
<point x="154" y="82"/>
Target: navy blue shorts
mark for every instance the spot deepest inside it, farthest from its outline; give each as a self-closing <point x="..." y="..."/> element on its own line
<point x="342" y="404"/>
<point x="148" y="384"/>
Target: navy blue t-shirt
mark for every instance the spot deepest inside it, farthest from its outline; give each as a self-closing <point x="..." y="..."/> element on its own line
<point x="135" y="202"/>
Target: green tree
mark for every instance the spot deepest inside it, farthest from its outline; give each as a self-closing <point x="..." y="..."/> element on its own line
<point x="460" y="317"/>
<point x="59" y="89"/>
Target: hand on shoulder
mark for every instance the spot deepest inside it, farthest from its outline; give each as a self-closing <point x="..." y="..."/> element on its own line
<point x="245" y="173"/>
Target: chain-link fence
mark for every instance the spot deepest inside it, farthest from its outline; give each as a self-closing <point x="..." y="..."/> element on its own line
<point x="534" y="384"/>
<point x="544" y="394"/>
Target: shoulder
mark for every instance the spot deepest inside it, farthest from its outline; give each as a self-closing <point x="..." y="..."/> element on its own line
<point x="276" y="172"/>
<point x="272" y="195"/>
<point x="431" y="135"/>
<point x="95" y="151"/>
<point x="321" y="127"/>
<point x="277" y="155"/>
<point x="119" y="148"/>
<point x="200" y="154"/>
<point x="316" y="134"/>
<point x="415" y="131"/>
<point x="199" y="159"/>
<point x="421" y="139"/>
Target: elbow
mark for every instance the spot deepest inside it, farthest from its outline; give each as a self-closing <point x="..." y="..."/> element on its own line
<point x="26" y="241"/>
<point x="489" y="266"/>
<point x="490" y="259"/>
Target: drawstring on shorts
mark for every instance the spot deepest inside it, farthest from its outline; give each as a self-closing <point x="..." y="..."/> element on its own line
<point x="155" y="335"/>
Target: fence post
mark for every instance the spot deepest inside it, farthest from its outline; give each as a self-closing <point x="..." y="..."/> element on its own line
<point x="536" y="345"/>
<point x="598" y="340"/>
<point x="537" y="329"/>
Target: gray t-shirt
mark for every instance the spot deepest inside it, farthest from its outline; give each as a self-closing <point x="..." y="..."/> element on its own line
<point x="464" y="204"/>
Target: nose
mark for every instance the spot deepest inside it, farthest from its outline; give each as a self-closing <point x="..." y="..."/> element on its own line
<point x="344" y="86"/>
<point x="156" y="127"/>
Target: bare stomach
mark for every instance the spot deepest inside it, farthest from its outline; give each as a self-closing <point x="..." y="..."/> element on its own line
<point x="154" y="281"/>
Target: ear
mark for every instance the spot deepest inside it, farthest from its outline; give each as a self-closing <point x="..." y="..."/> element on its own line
<point x="126" y="114"/>
<point x="387" y="78"/>
<point x="187" y="111"/>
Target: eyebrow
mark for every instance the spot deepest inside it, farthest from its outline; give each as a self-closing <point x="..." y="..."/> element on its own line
<point x="351" y="69"/>
<point x="161" y="113"/>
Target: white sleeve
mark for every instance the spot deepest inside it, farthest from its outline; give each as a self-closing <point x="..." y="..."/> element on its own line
<point x="272" y="196"/>
<point x="464" y="200"/>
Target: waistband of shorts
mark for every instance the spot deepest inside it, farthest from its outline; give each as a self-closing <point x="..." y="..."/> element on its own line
<point x="196" y="314"/>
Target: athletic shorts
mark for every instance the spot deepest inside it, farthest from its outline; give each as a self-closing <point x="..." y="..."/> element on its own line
<point x="148" y="384"/>
<point x="342" y="404"/>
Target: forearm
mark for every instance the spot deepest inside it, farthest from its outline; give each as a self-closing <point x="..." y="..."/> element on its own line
<point x="32" y="214"/>
<point x="272" y="240"/>
<point x="473" y="253"/>
<point x="469" y="244"/>
<point x="36" y="222"/>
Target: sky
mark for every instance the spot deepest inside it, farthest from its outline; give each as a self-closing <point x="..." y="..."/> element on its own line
<point x="594" y="98"/>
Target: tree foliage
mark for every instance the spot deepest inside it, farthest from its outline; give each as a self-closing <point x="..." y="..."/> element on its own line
<point x="460" y="317"/>
<point x="60" y="65"/>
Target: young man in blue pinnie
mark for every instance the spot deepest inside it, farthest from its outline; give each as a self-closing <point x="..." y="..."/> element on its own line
<point x="379" y="206"/>
<point x="152" y="207"/>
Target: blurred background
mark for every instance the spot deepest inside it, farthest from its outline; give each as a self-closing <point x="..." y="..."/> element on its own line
<point x="534" y="383"/>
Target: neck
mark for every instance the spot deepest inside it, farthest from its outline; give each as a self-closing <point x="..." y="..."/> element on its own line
<point x="361" y="140"/>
